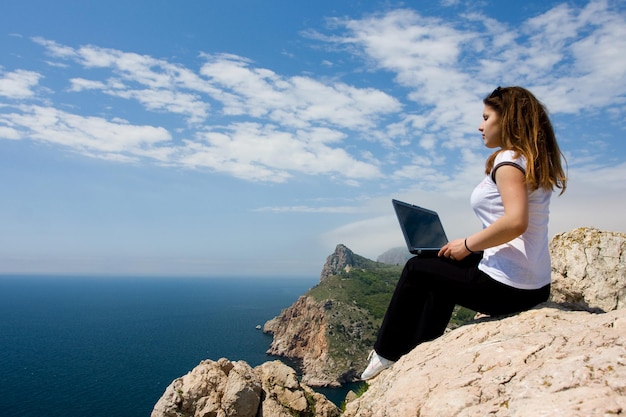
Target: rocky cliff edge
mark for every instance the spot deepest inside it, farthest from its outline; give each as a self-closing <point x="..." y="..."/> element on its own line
<point x="566" y="357"/>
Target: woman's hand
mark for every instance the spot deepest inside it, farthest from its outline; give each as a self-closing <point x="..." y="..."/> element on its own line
<point x="454" y="250"/>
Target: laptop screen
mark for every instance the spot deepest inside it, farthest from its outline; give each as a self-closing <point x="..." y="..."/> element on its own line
<point x="422" y="228"/>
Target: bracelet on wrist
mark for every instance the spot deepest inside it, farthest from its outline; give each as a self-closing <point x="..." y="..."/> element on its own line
<point x="466" y="247"/>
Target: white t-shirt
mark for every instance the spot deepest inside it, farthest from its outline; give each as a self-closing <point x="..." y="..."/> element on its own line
<point x="524" y="262"/>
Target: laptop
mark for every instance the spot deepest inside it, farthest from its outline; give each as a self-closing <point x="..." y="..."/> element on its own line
<point x="422" y="229"/>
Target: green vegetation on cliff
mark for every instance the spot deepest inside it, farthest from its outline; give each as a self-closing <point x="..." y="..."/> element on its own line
<point x="355" y="301"/>
<point x="369" y="288"/>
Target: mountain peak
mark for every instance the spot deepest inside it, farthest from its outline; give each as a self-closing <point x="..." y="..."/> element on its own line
<point x="341" y="258"/>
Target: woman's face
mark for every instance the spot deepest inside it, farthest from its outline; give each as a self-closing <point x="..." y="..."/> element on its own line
<point x="490" y="128"/>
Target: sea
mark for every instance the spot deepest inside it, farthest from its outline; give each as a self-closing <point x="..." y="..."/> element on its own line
<point x="90" y="346"/>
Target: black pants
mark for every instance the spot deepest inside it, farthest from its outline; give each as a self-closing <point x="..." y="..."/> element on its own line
<point x="427" y="292"/>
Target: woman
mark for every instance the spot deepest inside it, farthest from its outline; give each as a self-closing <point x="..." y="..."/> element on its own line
<point x="505" y="267"/>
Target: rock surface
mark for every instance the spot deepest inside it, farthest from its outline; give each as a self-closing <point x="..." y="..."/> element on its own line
<point x="337" y="261"/>
<point x="229" y="389"/>
<point x="589" y="269"/>
<point x="543" y="362"/>
<point x="300" y="333"/>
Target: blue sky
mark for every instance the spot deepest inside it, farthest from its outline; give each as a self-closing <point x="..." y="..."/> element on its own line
<point x="212" y="138"/>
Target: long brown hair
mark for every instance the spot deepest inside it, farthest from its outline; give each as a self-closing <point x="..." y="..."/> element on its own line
<point x="527" y="130"/>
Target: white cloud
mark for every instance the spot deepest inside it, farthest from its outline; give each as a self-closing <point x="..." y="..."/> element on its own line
<point x="9" y="133"/>
<point x="168" y="101"/>
<point x="19" y="84"/>
<point x="311" y="118"/>
<point x="265" y="153"/>
<point x="570" y="54"/>
<point x="55" y="49"/>
<point x="84" y="134"/>
<point x="591" y="69"/>
<point x="159" y="100"/>
<point x="294" y="101"/>
<point x="233" y="82"/>
<point x="81" y="84"/>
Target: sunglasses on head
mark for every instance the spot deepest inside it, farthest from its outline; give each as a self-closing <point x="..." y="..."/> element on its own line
<point x="496" y="93"/>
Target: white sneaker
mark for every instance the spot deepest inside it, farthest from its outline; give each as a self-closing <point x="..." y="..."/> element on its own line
<point x="376" y="365"/>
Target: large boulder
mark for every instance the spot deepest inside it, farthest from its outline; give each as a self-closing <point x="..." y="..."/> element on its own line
<point x="543" y="362"/>
<point x="589" y="269"/>
<point x="212" y="389"/>
<point x="234" y="389"/>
